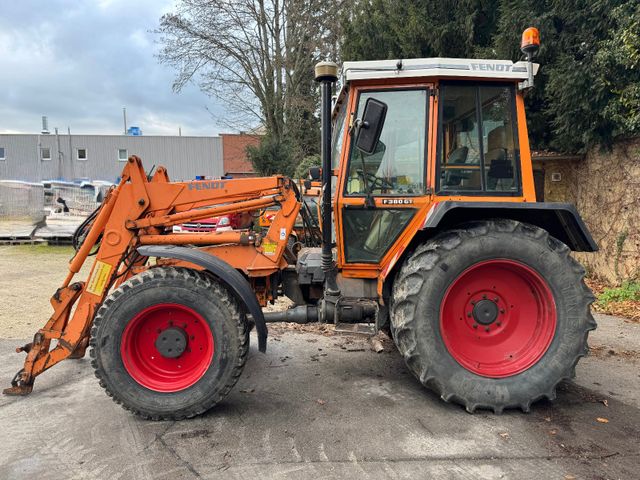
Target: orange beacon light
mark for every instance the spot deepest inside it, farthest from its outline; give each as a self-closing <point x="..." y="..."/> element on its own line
<point x="530" y="41"/>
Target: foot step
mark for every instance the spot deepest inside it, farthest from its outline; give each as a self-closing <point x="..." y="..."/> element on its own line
<point x="357" y="328"/>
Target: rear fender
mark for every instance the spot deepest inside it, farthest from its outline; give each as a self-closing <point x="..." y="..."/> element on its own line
<point x="561" y="220"/>
<point x="233" y="279"/>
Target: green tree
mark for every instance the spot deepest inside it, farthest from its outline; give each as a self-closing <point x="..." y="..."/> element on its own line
<point x="618" y="67"/>
<point x="271" y="156"/>
<point x="588" y="87"/>
<point x="377" y="29"/>
<point x="302" y="170"/>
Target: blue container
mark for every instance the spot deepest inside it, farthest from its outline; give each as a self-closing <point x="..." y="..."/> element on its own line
<point x="134" y="131"/>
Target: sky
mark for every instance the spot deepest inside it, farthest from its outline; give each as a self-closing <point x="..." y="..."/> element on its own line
<point x="79" y="62"/>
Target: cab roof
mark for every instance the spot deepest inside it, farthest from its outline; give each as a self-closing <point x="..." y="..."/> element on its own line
<point x="435" y="67"/>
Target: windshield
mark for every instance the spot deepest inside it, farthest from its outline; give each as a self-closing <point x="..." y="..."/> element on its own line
<point x="396" y="167"/>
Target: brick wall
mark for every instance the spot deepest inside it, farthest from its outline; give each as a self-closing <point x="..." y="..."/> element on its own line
<point x="234" y="155"/>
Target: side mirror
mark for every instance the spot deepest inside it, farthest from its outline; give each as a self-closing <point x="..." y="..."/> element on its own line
<point x="315" y="173"/>
<point x="369" y="127"/>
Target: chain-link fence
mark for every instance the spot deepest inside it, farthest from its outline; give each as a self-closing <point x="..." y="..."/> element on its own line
<point x="76" y="199"/>
<point x="21" y="201"/>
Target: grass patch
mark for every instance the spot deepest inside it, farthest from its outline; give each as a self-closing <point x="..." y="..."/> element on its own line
<point x="38" y="250"/>
<point x="623" y="301"/>
<point x="627" y="291"/>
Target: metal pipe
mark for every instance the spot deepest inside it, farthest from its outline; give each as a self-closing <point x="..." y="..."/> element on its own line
<point x="173" y="219"/>
<point x="300" y="314"/>
<point x="327" y="73"/>
<point x="211" y="238"/>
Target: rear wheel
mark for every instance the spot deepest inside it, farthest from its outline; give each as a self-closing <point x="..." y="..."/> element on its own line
<point x="493" y="315"/>
<point x="170" y="343"/>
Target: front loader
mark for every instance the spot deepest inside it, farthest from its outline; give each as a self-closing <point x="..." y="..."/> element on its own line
<point x="429" y="227"/>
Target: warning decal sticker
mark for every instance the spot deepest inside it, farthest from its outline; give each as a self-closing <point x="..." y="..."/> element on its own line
<point x="269" y="248"/>
<point x="99" y="278"/>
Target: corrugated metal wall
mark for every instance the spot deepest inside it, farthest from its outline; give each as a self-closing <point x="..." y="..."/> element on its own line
<point x="184" y="157"/>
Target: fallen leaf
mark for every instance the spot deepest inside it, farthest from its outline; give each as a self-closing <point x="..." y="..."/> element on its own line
<point x="553" y="432"/>
<point x="568" y="476"/>
<point x="250" y="390"/>
<point x="605" y="402"/>
<point x="321" y="402"/>
<point x="602" y="420"/>
<point x="376" y="345"/>
<point x="547" y="419"/>
<point x="504" y="434"/>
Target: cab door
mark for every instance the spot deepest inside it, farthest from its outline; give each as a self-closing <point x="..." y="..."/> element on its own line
<point x="379" y="194"/>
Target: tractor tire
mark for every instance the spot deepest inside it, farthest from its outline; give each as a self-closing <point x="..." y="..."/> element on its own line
<point x="169" y="343"/>
<point x="492" y="315"/>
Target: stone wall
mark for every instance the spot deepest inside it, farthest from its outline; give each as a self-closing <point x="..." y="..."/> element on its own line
<point x="605" y="187"/>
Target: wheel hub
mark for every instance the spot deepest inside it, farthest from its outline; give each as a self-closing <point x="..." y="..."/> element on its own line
<point x="498" y="318"/>
<point x="485" y="312"/>
<point x="172" y="342"/>
<point x="167" y="347"/>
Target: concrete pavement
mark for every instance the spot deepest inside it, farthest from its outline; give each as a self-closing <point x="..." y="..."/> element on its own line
<point x="329" y="407"/>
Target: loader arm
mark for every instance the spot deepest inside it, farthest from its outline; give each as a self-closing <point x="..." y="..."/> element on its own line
<point x="136" y="212"/>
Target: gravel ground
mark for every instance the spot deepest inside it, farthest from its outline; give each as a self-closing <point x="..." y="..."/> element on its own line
<point x="29" y="277"/>
<point x="317" y="405"/>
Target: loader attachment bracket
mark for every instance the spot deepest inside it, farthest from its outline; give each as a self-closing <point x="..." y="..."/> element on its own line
<point x="236" y="283"/>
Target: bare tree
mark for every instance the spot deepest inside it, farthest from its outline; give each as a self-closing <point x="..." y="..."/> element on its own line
<point x="257" y="56"/>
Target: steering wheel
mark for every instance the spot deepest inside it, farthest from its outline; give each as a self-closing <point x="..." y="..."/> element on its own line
<point x="373" y="181"/>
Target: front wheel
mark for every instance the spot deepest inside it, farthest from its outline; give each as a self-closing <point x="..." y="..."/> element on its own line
<point x="170" y="343"/>
<point x="492" y="315"/>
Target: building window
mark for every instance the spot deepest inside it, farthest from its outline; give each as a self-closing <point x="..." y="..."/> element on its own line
<point x="2" y="154"/>
<point x="122" y="154"/>
<point x="45" y="153"/>
<point x="82" y="154"/>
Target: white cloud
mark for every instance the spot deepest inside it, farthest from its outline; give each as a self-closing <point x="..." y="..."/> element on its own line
<point x="80" y="62"/>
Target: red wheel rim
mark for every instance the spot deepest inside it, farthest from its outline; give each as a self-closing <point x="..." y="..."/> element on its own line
<point x="498" y="318"/>
<point x="148" y="366"/>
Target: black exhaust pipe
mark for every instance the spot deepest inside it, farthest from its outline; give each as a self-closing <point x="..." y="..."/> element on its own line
<point x="327" y="73"/>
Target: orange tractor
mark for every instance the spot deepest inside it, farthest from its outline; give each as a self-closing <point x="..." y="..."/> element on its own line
<point x="430" y="230"/>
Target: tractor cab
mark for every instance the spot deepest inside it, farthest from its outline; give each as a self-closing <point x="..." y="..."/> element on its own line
<point x="448" y="130"/>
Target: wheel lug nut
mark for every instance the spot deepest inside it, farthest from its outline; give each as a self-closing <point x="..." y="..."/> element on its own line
<point x="468" y="314"/>
<point x="499" y="323"/>
<point x="496" y="299"/>
<point x="475" y="325"/>
<point x="502" y="310"/>
<point x="473" y="302"/>
<point x="486" y="329"/>
<point x="484" y="297"/>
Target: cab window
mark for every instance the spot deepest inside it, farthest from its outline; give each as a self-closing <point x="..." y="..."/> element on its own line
<point x="477" y="139"/>
<point x="338" y="134"/>
<point x="397" y="165"/>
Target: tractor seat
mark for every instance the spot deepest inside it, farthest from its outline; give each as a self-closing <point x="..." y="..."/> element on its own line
<point x="453" y="178"/>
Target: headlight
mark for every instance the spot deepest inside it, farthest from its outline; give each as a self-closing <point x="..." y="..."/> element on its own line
<point x="177" y="229"/>
<point x="223" y="221"/>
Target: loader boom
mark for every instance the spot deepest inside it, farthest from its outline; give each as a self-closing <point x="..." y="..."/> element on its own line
<point x="137" y="212"/>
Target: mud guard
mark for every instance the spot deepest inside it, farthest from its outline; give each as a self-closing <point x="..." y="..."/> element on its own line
<point x="561" y="220"/>
<point x="222" y="270"/>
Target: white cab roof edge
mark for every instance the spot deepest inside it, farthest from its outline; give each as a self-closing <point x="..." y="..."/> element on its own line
<point x="436" y="67"/>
